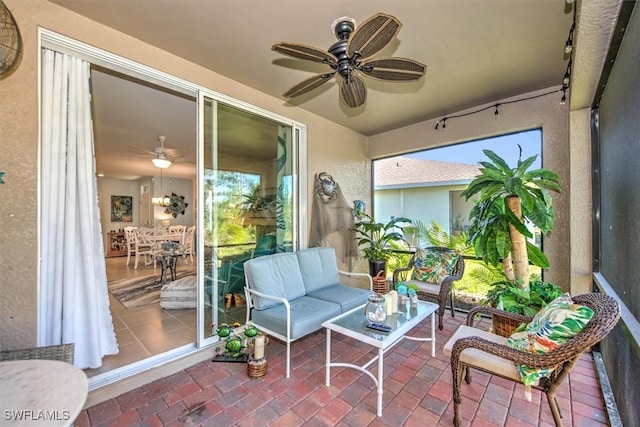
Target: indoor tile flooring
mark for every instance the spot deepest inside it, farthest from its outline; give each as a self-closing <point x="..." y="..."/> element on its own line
<point x="417" y="392"/>
<point x="149" y="330"/>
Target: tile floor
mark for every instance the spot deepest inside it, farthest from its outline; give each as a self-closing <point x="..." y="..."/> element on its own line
<point x="417" y="392"/>
<point x="150" y="330"/>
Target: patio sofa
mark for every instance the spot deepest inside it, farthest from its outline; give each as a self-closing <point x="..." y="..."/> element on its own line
<point x="290" y="294"/>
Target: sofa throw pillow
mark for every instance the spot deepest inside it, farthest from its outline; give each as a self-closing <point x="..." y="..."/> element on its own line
<point x="433" y="266"/>
<point x="554" y="325"/>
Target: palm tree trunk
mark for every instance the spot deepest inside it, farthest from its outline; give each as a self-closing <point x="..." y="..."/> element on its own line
<point x="519" y="245"/>
<point x="507" y="268"/>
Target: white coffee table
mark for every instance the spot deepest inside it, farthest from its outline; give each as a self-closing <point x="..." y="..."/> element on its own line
<point x="353" y="324"/>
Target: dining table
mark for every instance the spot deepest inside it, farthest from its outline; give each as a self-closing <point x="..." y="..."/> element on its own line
<point x="41" y="392"/>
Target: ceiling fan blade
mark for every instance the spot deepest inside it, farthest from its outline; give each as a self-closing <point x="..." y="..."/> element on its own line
<point x="308" y="85"/>
<point x="393" y="69"/>
<point x="353" y="92"/>
<point x="373" y="35"/>
<point x="173" y="153"/>
<point x="305" y="52"/>
<point x="138" y="151"/>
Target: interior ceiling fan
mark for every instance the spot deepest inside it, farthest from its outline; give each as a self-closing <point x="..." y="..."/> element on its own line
<point x="348" y="57"/>
<point x="161" y="156"/>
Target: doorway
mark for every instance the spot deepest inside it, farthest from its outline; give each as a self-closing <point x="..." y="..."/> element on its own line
<point x="144" y="183"/>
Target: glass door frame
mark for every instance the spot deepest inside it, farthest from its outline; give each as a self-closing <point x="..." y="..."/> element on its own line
<point x="299" y="172"/>
<point x="96" y="56"/>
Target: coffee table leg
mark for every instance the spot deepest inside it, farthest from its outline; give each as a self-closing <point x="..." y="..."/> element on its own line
<point x="433" y="334"/>
<point x="380" y="379"/>
<point x="328" y="365"/>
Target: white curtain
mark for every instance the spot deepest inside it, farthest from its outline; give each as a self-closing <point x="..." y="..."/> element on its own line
<point x="74" y="303"/>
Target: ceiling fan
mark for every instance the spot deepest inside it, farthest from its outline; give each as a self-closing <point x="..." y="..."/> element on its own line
<point x="348" y="57"/>
<point x="161" y="157"/>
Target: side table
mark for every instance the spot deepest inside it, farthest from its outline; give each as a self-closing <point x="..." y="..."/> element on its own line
<point x="167" y="260"/>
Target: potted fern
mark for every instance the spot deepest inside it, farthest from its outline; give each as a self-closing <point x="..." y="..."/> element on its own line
<point x="510" y="199"/>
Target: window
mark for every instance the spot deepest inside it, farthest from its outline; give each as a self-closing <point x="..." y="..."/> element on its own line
<point x="426" y="187"/>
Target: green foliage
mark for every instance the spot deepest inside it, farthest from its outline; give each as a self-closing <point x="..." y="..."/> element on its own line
<point x="435" y="235"/>
<point x="491" y="217"/>
<point x="509" y="296"/>
<point x="375" y="238"/>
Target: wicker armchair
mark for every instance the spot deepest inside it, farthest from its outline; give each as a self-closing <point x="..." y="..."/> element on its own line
<point x="63" y="353"/>
<point x="434" y="292"/>
<point x="489" y="353"/>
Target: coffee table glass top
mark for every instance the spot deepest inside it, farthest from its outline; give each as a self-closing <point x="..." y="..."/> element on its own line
<point x="353" y="323"/>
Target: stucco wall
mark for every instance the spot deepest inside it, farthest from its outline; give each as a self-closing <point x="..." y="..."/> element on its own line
<point x="544" y="112"/>
<point x="331" y="148"/>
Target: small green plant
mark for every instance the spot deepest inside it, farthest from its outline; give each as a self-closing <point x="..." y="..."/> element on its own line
<point x="375" y="238"/>
<point x="509" y="296"/>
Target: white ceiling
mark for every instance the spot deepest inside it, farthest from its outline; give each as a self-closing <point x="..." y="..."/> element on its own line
<point x="476" y="52"/>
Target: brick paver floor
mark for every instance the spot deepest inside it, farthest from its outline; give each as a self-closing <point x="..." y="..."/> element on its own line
<point x="417" y="392"/>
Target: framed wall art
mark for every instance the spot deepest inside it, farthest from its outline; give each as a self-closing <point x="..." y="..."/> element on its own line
<point x="121" y="209"/>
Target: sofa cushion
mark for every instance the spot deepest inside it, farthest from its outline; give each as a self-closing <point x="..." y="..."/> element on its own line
<point x="307" y="313"/>
<point x="319" y="268"/>
<point x="346" y="296"/>
<point x="278" y="275"/>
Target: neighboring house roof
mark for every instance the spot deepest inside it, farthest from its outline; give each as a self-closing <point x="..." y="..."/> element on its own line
<point x="404" y="172"/>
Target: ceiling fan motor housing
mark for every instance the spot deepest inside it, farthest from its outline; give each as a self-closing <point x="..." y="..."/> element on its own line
<point x="343" y="29"/>
<point x="339" y="50"/>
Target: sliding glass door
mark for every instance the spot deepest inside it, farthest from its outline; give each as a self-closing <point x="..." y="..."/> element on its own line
<point x="250" y="191"/>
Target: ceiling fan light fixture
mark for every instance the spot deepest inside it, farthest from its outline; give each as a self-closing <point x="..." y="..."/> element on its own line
<point x="161" y="162"/>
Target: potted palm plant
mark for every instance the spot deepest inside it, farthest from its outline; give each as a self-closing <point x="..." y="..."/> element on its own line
<point x="510" y="199"/>
<point x="374" y="239"/>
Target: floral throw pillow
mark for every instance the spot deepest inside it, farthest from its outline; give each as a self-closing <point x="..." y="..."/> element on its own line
<point x="554" y="325"/>
<point x="433" y="266"/>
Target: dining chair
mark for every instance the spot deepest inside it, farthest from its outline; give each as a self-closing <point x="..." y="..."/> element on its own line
<point x="188" y="243"/>
<point x="433" y="270"/>
<point x="145" y="245"/>
<point x="129" y="234"/>
<point x="179" y="229"/>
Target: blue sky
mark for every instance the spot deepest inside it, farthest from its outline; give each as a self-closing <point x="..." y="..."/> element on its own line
<point x="506" y="146"/>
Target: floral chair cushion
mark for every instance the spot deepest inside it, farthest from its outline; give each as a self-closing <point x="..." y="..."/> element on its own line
<point x="433" y="266"/>
<point x="554" y="325"/>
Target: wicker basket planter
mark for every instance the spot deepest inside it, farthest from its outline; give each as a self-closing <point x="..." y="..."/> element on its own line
<point x="257" y="368"/>
<point x="380" y="283"/>
<point x="503" y="325"/>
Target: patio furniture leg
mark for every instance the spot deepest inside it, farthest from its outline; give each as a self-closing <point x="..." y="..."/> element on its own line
<point x="555" y="409"/>
<point x="327" y="381"/>
<point x="380" y="379"/>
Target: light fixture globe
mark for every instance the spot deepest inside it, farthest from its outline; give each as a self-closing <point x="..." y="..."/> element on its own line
<point x="161" y="162"/>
